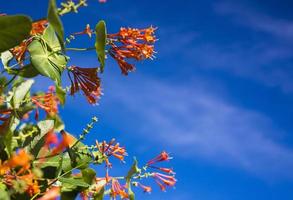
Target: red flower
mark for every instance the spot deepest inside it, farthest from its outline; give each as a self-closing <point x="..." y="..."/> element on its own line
<point x="164" y="180"/>
<point x="87" y="31"/>
<point x="19" y="51"/>
<point x="51" y="194"/>
<point x="163" y="156"/>
<point x="118" y="190"/>
<point x="38" y="27"/>
<point x="66" y="142"/>
<point x="87" y="80"/>
<point x="111" y="149"/>
<point x="145" y="188"/>
<point x="48" y="102"/>
<point x="131" y="43"/>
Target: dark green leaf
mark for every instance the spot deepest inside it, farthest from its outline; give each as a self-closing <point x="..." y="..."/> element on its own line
<point x="79" y="182"/>
<point x="14" y="29"/>
<point x="100" y="194"/>
<point x="79" y="155"/>
<point x="28" y="71"/>
<point x="55" y="21"/>
<point x="39" y="140"/>
<point x="88" y="175"/>
<point x="101" y="37"/>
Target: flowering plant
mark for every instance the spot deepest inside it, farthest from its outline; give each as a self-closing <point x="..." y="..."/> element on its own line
<point x="39" y="159"/>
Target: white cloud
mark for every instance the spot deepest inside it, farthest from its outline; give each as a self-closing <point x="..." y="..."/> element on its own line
<point x="281" y="28"/>
<point x="195" y="123"/>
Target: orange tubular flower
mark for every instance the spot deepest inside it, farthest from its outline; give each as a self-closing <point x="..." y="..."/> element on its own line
<point x="118" y="190"/>
<point x="163" y="156"/>
<point x="48" y="102"/>
<point x="66" y="142"/>
<point x="19" y="51"/>
<point x="111" y="149"/>
<point x="164" y="180"/>
<point x="145" y="188"/>
<point x="87" y="80"/>
<point x="20" y="159"/>
<point x="38" y="27"/>
<point x="87" y="31"/>
<point x="51" y="194"/>
<point x="131" y="43"/>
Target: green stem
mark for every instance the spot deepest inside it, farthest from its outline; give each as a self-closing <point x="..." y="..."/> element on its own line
<point x="80" y="49"/>
<point x="6" y="84"/>
<point x="54" y="181"/>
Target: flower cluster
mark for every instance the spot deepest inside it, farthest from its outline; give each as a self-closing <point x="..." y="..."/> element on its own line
<point x="87" y="80"/>
<point x="130" y="43"/>
<point x="48" y="102"/>
<point x="19" y="51"/>
<point x="39" y="158"/>
<point x="17" y="173"/>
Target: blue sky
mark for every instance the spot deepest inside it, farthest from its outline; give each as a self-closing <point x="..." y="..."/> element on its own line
<point x="218" y="96"/>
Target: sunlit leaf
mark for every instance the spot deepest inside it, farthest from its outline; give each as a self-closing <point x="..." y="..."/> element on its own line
<point x="20" y="92"/>
<point x="46" y="56"/>
<point x="55" y="21"/>
<point x="101" y="36"/>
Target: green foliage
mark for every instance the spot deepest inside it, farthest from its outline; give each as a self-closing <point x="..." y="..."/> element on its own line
<point x="14" y="29"/>
<point x="55" y="21"/>
<point x="46" y="55"/>
<point x="101" y="38"/>
<point x="37" y="154"/>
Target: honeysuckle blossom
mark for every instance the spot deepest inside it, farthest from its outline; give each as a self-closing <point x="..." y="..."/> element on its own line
<point x="131" y="43"/>
<point x="163" y="156"/>
<point x="164" y="180"/>
<point x="48" y="102"/>
<point x="111" y="149"/>
<point x="87" y="31"/>
<point x="118" y="190"/>
<point x="87" y="80"/>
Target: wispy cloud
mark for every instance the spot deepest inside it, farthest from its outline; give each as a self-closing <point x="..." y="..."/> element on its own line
<point x="281" y="28"/>
<point x="195" y="123"/>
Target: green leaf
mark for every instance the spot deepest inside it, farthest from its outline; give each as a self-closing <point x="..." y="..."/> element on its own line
<point x="88" y="175"/>
<point x="46" y="59"/>
<point x="8" y="131"/>
<point x="133" y="170"/>
<point x="55" y="21"/>
<point x="3" y="192"/>
<point x="14" y="29"/>
<point x="69" y="195"/>
<point x="101" y="37"/>
<point x="79" y="182"/>
<point x="80" y="156"/>
<point x="61" y="94"/>
<point x="39" y="140"/>
<point x="6" y="57"/>
<point x="28" y="71"/>
<point x="100" y="194"/>
<point x="20" y="92"/>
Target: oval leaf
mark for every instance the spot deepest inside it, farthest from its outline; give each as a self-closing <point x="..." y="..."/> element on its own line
<point x="101" y="37"/>
<point x="14" y="29"/>
<point x="55" y="21"/>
